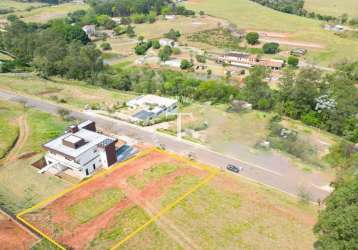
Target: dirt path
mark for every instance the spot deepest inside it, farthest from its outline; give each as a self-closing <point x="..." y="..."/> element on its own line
<point x="24" y="132"/>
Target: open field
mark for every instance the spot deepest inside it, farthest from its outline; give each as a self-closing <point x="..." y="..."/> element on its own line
<point x="47" y="13"/>
<point x="185" y="25"/>
<point x="105" y="210"/>
<point x="63" y="91"/>
<point x="14" y="236"/>
<point x="228" y="212"/>
<point x="300" y="29"/>
<point x="17" y="5"/>
<point x="333" y="7"/>
<point x="17" y="195"/>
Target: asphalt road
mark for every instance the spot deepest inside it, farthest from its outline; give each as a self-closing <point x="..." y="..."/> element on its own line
<point x="277" y="175"/>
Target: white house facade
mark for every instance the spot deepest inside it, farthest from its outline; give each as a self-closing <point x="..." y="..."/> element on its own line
<point x="81" y="149"/>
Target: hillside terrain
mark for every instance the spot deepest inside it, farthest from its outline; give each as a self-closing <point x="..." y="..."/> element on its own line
<point x="296" y="28"/>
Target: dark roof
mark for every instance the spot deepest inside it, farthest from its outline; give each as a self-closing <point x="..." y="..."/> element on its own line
<point x="143" y="115"/>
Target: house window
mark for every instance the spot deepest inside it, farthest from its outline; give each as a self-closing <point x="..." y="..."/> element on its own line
<point x="87" y="173"/>
<point x="94" y="166"/>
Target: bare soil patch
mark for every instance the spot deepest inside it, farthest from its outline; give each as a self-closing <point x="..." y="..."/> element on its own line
<point x="13" y="235"/>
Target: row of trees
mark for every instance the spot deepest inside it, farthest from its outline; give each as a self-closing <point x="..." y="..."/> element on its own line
<point x="56" y="48"/>
<point x="129" y="7"/>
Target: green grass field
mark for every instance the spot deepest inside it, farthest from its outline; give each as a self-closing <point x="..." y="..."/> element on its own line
<point x="8" y="126"/>
<point x="17" y="5"/>
<point x="333" y="7"/>
<point x="45" y="13"/>
<point x="91" y="207"/>
<point x="232" y="213"/>
<point x="249" y="15"/>
<point x="75" y="93"/>
<point x="16" y="195"/>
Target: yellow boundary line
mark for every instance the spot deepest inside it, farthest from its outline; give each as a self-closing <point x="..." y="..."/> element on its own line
<point x="212" y="172"/>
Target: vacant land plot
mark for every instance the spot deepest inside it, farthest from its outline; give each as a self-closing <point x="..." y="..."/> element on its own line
<point x="203" y="125"/>
<point x="185" y="25"/>
<point x="240" y="12"/>
<point x="333" y="7"/>
<point x="17" y="195"/>
<point x="106" y="210"/>
<point x="63" y="91"/>
<point x="14" y="236"/>
<point x="226" y="213"/>
<point x="47" y="13"/>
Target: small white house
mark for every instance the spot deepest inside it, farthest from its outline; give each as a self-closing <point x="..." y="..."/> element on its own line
<point x="170" y="17"/>
<point x="166" y="42"/>
<point x="81" y="149"/>
<point x="89" y="29"/>
<point x="117" y="20"/>
<point x="152" y="106"/>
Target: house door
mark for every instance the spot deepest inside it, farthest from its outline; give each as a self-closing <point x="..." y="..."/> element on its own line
<point x="94" y="166"/>
<point x="87" y="173"/>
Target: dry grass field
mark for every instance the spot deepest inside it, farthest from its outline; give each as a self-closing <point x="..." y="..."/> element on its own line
<point x="333" y="7"/>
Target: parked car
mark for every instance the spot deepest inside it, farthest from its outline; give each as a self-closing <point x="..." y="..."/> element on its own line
<point x="234" y="168"/>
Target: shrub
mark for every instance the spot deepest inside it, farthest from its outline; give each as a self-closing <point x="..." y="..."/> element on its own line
<point x="252" y="38"/>
<point x="200" y="58"/>
<point x="106" y="46"/>
<point x="293" y="61"/>
<point x="138" y="18"/>
<point x="271" y="48"/>
<point x="176" y="51"/>
<point x="185" y="64"/>
<point x="155" y="44"/>
<point x="172" y="34"/>
<point x="165" y="53"/>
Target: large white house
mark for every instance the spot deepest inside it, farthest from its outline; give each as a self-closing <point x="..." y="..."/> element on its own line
<point x="81" y="149"/>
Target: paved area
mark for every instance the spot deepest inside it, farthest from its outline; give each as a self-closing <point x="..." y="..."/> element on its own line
<point x="276" y="174"/>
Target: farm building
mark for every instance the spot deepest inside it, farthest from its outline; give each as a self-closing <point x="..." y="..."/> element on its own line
<point x="246" y="60"/>
<point x="271" y="63"/>
<point x="151" y="106"/>
<point x="89" y="29"/>
<point x="81" y="149"/>
<point x="238" y="59"/>
<point x="166" y="42"/>
<point x="117" y="20"/>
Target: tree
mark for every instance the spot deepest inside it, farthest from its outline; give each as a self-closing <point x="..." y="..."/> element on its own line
<point x="200" y="58"/>
<point x="185" y="64"/>
<point x="130" y="31"/>
<point x="172" y="34"/>
<point x="337" y="226"/>
<point x="119" y="30"/>
<point x="293" y="61"/>
<point x="270" y="48"/>
<point x="256" y="90"/>
<point x="252" y="38"/>
<point x="156" y="44"/>
<point x="165" y="53"/>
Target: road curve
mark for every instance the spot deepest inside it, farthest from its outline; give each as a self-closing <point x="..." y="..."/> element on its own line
<point x="278" y="176"/>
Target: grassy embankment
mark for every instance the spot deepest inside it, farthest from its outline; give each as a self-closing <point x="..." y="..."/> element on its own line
<point x="20" y="184"/>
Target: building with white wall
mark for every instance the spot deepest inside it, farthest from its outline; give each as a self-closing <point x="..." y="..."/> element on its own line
<point x="82" y="149"/>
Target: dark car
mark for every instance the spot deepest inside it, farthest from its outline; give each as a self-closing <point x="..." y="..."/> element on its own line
<point x="233" y="168"/>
